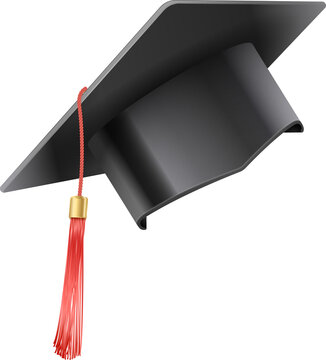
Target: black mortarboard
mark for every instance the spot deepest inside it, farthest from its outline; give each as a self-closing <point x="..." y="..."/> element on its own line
<point x="188" y="101"/>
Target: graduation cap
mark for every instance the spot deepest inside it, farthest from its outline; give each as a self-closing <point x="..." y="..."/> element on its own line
<point x="187" y="102"/>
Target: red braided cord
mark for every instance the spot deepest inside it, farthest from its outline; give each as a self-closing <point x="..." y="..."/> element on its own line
<point x="81" y="140"/>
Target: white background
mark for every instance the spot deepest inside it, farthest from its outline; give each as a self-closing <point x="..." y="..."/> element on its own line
<point x="236" y="270"/>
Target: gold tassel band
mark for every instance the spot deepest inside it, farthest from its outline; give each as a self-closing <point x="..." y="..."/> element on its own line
<point x="78" y="207"/>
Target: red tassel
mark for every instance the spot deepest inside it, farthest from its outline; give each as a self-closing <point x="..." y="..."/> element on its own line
<point x="68" y="340"/>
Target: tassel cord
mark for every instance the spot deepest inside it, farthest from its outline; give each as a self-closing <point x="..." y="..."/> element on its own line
<point x="68" y="339"/>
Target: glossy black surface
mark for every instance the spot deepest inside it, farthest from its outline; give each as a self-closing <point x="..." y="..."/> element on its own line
<point x="179" y="35"/>
<point x="204" y="124"/>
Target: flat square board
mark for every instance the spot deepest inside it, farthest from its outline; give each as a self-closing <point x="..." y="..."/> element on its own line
<point x="179" y="35"/>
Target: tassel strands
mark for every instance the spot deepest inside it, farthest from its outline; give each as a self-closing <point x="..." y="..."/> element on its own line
<point x="68" y="339"/>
